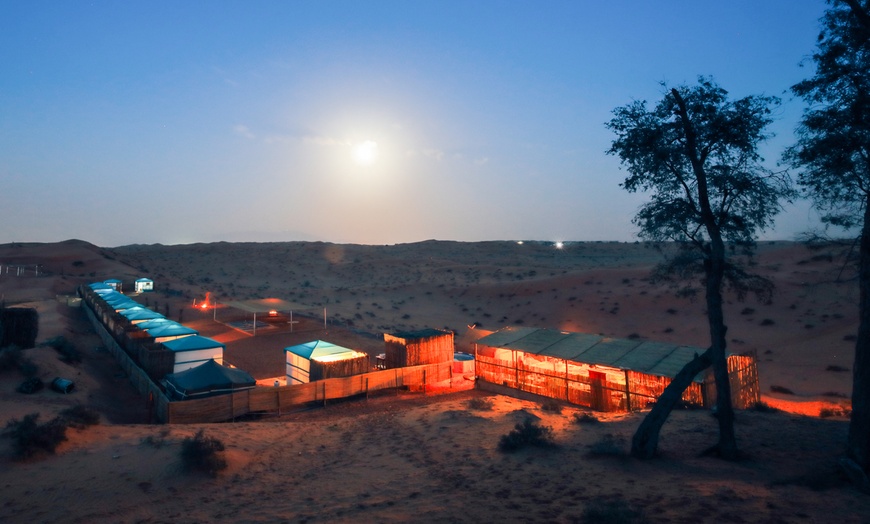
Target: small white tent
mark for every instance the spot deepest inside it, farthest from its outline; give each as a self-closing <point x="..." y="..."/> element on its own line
<point x="143" y="284"/>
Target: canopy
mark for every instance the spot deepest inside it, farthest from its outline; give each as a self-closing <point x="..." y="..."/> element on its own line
<point x="265" y="305"/>
<point x="206" y="380"/>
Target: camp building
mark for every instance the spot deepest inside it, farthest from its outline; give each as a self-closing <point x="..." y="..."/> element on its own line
<point x="318" y="359"/>
<point x="415" y="348"/>
<point x="606" y="374"/>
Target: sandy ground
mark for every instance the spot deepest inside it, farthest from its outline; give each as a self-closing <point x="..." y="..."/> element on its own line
<point x="433" y="457"/>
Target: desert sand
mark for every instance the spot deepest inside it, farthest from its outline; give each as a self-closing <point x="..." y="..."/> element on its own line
<point x="433" y="457"/>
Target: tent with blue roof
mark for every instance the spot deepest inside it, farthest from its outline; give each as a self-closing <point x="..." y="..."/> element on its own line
<point x="318" y="359"/>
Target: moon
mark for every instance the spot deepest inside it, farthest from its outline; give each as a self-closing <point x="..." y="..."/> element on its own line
<point x="365" y="153"/>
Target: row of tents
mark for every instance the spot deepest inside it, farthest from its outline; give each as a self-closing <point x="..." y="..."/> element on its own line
<point x="198" y="369"/>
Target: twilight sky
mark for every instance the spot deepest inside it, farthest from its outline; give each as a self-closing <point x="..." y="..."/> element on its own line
<point x="365" y="122"/>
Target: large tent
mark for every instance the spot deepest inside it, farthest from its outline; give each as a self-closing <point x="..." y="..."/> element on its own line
<point x="194" y="350"/>
<point x="207" y="380"/>
<point x="603" y="373"/>
<point x="318" y="359"/>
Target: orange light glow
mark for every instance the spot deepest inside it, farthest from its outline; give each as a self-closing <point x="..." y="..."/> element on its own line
<point x="205" y="303"/>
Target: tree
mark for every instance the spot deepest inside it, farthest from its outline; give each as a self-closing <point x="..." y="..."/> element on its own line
<point x="696" y="153"/>
<point x="833" y="153"/>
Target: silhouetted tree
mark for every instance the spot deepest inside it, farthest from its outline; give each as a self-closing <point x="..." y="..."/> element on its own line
<point x="696" y="153"/>
<point x="833" y="153"/>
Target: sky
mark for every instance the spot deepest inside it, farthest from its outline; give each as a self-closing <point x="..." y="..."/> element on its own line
<point x="360" y="122"/>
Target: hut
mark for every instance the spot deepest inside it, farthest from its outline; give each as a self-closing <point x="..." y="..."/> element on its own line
<point x="193" y="351"/>
<point x="317" y="360"/>
<point x="207" y="380"/>
<point x="101" y="288"/>
<point x="602" y="373"/>
<point x="142" y="285"/>
<point x="414" y="348"/>
<point x="115" y="284"/>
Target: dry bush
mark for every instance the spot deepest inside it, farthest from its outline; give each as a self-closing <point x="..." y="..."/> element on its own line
<point x="30" y="439"/>
<point x="480" y="404"/>
<point x="203" y="453"/>
<point x="525" y="434"/>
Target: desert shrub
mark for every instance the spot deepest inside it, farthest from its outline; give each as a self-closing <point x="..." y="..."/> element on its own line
<point x="80" y="416"/>
<point x="156" y="441"/>
<point x="31" y="385"/>
<point x="585" y="418"/>
<point x="12" y="357"/>
<point x="767" y="322"/>
<point x="611" y="512"/>
<point x="524" y="434"/>
<point x="608" y="446"/>
<point x="836" y="369"/>
<point x="747" y="311"/>
<point x="30" y="438"/>
<point x="66" y="349"/>
<point x="203" y="453"/>
<point x="551" y="406"/>
<point x="480" y="404"/>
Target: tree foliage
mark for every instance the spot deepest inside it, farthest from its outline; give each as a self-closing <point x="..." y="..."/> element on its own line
<point x="653" y="145"/>
<point x="833" y="146"/>
<point x="696" y="154"/>
<point x="833" y="153"/>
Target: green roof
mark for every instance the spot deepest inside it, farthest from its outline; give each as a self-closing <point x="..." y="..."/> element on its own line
<point x="654" y="358"/>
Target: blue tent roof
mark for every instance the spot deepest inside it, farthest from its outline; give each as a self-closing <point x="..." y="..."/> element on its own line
<point x="317" y="348"/>
<point x="100" y="285"/>
<point x="144" y="280"/>
<point x="141" y="314"/>
<point x="192" y="343"/>
<point x="153" y="323"/>
<point x="171" y="330"/>
<point x="112" y="281"/>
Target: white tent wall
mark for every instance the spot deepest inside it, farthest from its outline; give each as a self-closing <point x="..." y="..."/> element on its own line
<point x="190" y="359"/>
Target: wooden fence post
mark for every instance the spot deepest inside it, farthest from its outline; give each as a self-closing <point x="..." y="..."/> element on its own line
<point x="627" y="392"/>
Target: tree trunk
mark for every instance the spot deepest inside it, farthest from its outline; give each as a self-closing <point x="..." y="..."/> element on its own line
<point x="727" y="446"/>
<point x="646" y="439"/>
<point x="714" y="269"/>
<point x="858" y="444"/>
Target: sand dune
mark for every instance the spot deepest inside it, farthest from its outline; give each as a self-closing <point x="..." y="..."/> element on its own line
<point x="430" y="458"/>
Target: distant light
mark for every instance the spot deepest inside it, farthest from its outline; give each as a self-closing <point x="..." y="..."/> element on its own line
<point x="559" y="245"/>
<point x="520" y="242"/>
